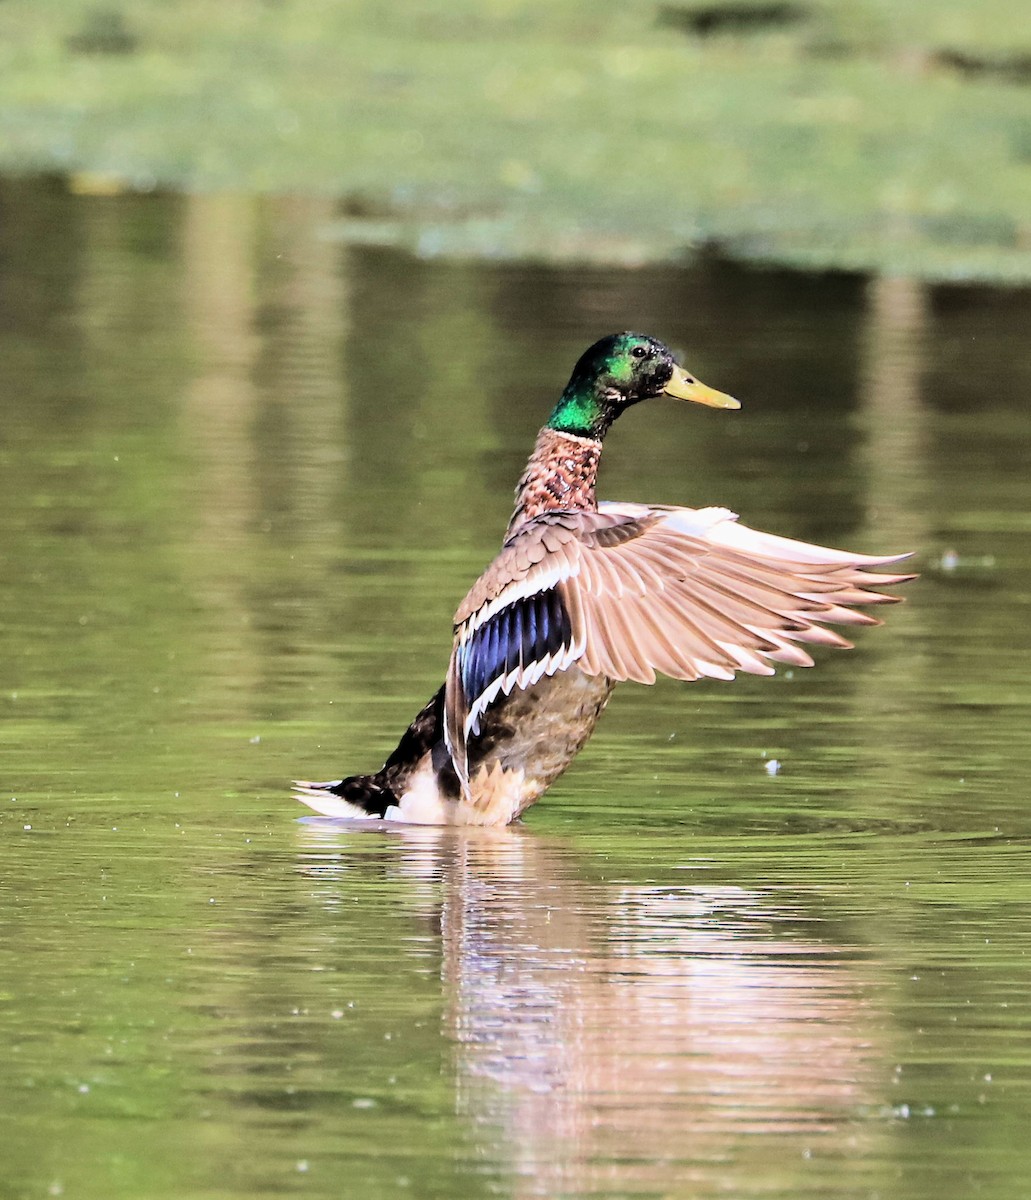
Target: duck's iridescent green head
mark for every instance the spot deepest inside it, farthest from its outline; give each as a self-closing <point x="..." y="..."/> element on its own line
<point x="620" y="370"/>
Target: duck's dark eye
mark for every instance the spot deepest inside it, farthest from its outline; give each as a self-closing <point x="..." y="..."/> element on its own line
<point x="638" y="352"/>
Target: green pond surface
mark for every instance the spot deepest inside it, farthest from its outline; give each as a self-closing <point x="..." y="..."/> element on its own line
<point x="246" y="474"/>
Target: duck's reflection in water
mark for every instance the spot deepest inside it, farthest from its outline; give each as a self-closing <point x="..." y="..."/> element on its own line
<point x="625" y="1036"/>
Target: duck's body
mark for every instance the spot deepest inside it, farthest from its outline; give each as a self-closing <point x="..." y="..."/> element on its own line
<point x="584" y="595"/>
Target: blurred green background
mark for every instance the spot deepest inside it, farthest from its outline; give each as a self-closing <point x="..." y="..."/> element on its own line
<point x="892" y="135"/>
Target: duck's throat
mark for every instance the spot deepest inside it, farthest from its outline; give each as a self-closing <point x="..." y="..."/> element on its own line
<point x="561" y="473"/>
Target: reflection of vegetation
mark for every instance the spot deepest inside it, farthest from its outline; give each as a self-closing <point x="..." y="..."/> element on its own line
<point x="856" y="135"/>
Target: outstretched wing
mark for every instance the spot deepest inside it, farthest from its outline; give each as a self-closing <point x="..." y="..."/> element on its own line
<point x="632" y="589"/>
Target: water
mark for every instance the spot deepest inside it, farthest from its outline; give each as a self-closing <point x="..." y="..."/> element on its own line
<point x="245" y="476"/>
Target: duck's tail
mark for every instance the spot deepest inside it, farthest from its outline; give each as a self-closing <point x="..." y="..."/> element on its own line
<point x="357" y="797"/>
<point x="364" y="796"/>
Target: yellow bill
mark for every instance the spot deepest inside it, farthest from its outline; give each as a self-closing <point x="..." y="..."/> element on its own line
<point x="685" y="387"/>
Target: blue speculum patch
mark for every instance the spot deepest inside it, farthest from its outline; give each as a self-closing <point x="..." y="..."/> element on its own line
<point x="522" y="633"/>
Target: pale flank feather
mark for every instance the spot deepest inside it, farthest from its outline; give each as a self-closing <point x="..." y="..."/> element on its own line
<point x="631" y="589"/>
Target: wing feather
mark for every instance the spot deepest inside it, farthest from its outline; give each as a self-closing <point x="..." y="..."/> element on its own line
<point x="629" y="590"/>
<point x="633" y="637"/>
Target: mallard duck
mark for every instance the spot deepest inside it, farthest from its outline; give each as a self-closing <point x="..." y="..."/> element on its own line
<point x="584" y="595"/>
